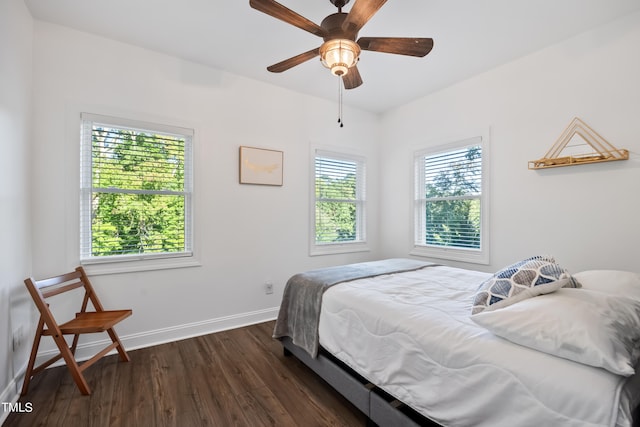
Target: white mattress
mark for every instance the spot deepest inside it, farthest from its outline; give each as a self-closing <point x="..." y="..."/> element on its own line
<point x="410" y="334"/>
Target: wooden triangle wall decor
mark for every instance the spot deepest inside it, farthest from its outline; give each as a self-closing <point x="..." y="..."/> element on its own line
<point x="577" y="145"/>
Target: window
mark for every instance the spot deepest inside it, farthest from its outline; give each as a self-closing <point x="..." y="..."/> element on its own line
<point x="339" y="203"/>
<point x="136" y="190"/>
<point x="451" y="218"/>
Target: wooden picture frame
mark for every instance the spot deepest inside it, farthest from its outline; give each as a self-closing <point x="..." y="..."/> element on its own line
<point x="260" y="166"/>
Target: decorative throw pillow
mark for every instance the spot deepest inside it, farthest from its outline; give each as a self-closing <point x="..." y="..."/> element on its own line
<point x="525" y="279"/>
<point x="589" y="327"/>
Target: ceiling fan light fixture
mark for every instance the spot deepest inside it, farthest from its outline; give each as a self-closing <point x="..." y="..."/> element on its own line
<point x="339" y="55"/>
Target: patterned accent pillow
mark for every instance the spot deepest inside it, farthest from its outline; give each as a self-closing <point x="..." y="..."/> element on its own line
<point x="525" y="279"/>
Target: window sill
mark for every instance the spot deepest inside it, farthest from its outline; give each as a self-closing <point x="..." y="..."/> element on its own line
<point x="452" y="254"/>
<point x="133" y="266"/>
<point x="338" y="248"/>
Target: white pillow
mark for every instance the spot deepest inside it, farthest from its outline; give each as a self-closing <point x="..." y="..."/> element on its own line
<point x="589" y="327"/>
<point x="625" y="283"/>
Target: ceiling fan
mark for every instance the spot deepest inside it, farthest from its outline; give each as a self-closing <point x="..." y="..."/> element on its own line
<point x="340" y="51"/>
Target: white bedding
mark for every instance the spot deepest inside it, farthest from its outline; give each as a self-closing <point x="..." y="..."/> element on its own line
<point x="411" y="334"/>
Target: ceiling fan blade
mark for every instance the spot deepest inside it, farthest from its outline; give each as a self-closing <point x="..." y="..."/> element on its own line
<point x="398" y="45"/>
<point x="292" y="62"/>
<point x="275" y="9"/>
<point x="360" y="14"/>
<point x="352" y="79"/>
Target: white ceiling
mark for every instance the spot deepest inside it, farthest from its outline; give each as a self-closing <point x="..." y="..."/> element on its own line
<point x="470" y="37"/>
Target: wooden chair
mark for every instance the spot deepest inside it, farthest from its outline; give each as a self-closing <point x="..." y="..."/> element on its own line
<point x="85" y="322"/>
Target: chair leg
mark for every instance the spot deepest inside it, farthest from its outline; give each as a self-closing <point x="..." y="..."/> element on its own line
<point x="70" y="360"/>
<point x="32" y="358"/>
<point x="74" y="344"/>
<point x="114" y="337"/>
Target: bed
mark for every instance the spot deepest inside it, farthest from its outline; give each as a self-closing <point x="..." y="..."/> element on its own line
<point x="398" y="338"/>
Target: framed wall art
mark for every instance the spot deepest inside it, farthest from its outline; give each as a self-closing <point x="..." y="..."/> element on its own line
<point x="261" y="166"/>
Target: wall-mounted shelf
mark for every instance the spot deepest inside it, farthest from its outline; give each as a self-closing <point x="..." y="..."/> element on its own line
<point x="579" y="144"/>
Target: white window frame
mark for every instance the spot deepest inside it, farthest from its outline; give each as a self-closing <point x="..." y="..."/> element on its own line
<point x="420" y="248"/>
<point x="133" y="262"/>
<point x="360" y="244"/>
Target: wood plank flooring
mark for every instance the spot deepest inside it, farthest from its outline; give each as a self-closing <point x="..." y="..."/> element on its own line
<point x="233" y="378"/>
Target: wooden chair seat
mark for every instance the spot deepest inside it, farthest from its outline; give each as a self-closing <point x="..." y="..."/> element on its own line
<point x="92" y="322"/>
<point x="84" y="322"/>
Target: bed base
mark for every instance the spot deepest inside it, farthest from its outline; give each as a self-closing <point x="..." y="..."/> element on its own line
<point x="380" y="408"/>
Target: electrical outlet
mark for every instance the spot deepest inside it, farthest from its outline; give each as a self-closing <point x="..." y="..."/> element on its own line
<point x="268" y="288"/>
<point x="18" y="337"/>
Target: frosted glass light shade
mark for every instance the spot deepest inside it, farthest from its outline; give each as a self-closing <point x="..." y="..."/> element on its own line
<point x="339" y="55"/>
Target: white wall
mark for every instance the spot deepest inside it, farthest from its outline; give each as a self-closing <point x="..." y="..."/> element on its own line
<point x="16" y="35"/>
<point x="245" y="234"/>
<point x="584" y="215"/>
<point x="587" y="216"/>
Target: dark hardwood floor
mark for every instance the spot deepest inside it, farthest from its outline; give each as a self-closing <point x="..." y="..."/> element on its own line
<point x="233" y="378"/>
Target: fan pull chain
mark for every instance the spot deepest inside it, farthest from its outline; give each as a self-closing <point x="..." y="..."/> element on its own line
<point x="340" y="102"/>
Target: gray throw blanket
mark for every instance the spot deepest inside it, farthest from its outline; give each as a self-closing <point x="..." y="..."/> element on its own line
<point x="299" y="314"/>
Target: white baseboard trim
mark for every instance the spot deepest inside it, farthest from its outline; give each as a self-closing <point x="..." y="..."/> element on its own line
<point x="170" y="334"/>
<point x="9" y="395"/>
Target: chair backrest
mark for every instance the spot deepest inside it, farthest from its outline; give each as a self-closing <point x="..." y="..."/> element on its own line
<point x="40" y="290"/>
